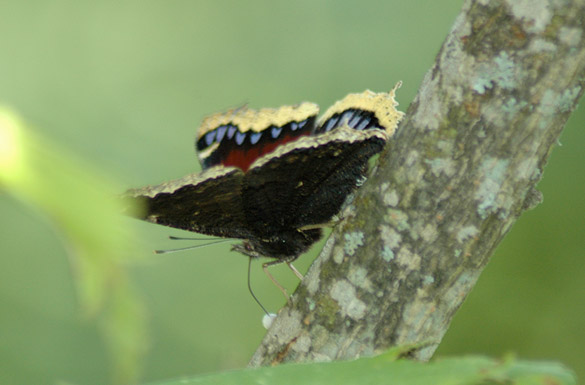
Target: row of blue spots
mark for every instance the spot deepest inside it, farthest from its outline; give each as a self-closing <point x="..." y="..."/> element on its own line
<point x="219" y="133"/>
<point x="229" y="130"/>
<point x="352" y="118"/>
<point x="295" y="126"/>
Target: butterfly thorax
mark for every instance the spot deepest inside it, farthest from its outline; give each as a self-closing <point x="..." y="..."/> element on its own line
<point x="285" y="246"/>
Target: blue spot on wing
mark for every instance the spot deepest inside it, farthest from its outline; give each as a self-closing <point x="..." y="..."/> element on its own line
<point x="240" y="137"/>
<point x="332" y="122"/>
<point x="255" y="137"/>
<point x="363" y="124"/>
<point x="354" y="121"/>
<point x="231" y="131"/>
<point x="275" y="132"/>
<point x="220" y="133"/>
<point x="210" y="137"/>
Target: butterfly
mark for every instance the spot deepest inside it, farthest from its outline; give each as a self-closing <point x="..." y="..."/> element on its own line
<point x="274" y="177"/>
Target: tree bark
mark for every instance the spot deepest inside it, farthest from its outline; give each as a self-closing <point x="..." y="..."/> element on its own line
<point x="456" y="176"/>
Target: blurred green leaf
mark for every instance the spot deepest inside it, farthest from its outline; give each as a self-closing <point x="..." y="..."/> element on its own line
<point x="385" y="370"/>
<point x="84" y="207"/>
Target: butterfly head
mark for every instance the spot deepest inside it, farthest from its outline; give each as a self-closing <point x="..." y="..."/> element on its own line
<point x="284" y="246"/>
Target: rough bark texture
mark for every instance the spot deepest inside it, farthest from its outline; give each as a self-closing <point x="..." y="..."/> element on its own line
<point x="459" y="172"/>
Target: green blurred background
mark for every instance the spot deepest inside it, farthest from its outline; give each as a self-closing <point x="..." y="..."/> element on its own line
<point x="125" y="84"/>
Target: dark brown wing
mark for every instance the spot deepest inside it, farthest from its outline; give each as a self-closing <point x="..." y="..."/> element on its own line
<point x="209" y="203"/>
<point x="306" y="182"/>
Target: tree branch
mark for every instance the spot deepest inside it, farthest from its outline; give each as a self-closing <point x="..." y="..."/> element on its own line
<point x="459" y="172"/>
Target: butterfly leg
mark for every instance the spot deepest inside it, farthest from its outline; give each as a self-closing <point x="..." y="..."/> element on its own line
<point x="265" y="267"/>
<point x="294" y="270"/>
<point x="334" y="222"/>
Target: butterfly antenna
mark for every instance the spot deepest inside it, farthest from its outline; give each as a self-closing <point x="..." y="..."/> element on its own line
<point x="250" y="288"/>
<point x="191" y="247"/>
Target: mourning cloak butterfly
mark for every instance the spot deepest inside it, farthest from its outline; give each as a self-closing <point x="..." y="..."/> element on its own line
<point x="273" y="177"/>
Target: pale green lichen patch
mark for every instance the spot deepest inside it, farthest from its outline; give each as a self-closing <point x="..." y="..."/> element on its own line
<point x="463" y="284"/>
<point x="408" y="260"/>
<point x="547" y="107"/>
<point x="288" y="324"/>
<point x="312" y="283"/>
<point x="429" y="233"/>
<point x="440" y="166"/>
<point x="338" y="256"/>
<point x="319" y="334"/>
<point x="302" y="344"/>
<point x="361" y="347"/>
<point x="387" y="254"/>
<point x="353" y="241"/>
<point x="418" y="316"/>
<point x="552" y="103"/>
<point x="345" y="294"/>
<point x="428" y="280"/>
<point x="390" y="237"/>
<point x="542" y="45"/>
<point x="348" y="210"/>
<point x="397" y="218"/>
<point x="505" y="71"/>
<point x="511" y="107"/>
<point x="527" y="169"/>
<point x="494" y="172"/>
<point x="501" y="71"/>
<point x="534" y="14"/>
<point x="482" y="83"/>
<point x="359" y="278"/>
<point x="548" y="102"/>
<point x="415" y="230"/>
<point x="326" y="351"/>
<point x="466" y="232"/>
<point x="411" y="159"/>
<point x="445" y="146"/>
<point x="481" y="132"/>
<point x="568" y="98"/>
<point x="570" y="36"/>
<point x="391" y="198"/>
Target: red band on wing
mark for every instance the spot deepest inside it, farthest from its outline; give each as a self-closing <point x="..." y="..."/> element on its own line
<point x="244" y="157"/>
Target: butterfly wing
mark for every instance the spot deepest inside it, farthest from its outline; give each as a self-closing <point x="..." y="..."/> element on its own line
<point x="240" y="136"/>
<point x="282" y="181"/>
<point x="306" y="182"/>
<point x="209" y="203"/>
<point x="363" y="111"/>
